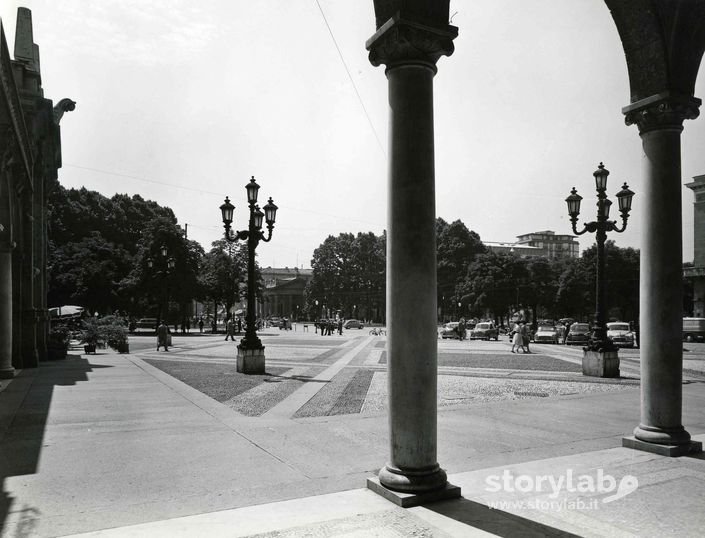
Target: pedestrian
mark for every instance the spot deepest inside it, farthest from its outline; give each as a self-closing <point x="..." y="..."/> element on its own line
<point x="517" y="339"/>
<point x="200" y="324"/>
<point x="239" y="324"/>
<point x="229" y="330"/>
<point x="526" y="336"/>
<point x="461" y="329"/>
<point x="162" y="335"/>
<point x="340" y="326"/>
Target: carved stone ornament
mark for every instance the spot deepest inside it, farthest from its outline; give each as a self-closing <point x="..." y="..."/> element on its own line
<point x="662" y="111"/>
<point x="400" y="42"/>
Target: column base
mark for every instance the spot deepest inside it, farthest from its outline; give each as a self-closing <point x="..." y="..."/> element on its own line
<point x="662" y="436"/>
<point x="250" y="361"/>
<point x="413" y="480"/>
<point x="407" y="500"/>
<point x="600" y="363"/>
<point x="672" y="451"/>
<point x="7" y="373"/>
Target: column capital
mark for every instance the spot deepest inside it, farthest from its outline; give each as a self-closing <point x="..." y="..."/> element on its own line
<point x="403" y="42"/>
<point x="666" y="110"/>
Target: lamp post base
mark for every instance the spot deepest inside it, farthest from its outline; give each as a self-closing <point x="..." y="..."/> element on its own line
<point x="600" y="363"/>
<point x="250" y="361"/>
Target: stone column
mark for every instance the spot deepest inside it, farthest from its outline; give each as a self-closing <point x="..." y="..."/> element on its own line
<point x="660" y="121"/>
<point x="410" y="53"/>
<point x="6" y="369"/>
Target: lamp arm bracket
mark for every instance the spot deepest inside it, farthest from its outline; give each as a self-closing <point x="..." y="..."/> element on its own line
<point x="614" y="228"/>
<point x="234" y="237"/>
<point x="586" y="228"/>
<point x="269" y="235"/>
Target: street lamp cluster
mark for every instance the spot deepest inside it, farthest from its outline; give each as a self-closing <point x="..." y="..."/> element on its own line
<point x="250" y="351"/>
<point x="599" y="341"/>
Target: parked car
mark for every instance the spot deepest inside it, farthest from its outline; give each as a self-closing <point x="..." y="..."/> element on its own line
<point x="485" y="330"/>
<point x="450" y="330"/>
<point x="693" y="329"/>
<point x="547" y="334"/>
<point x="352" y="324"/>
<point x="621" y="334"/>
<point x="578" y="334"/>
<point x="145" y="325"/>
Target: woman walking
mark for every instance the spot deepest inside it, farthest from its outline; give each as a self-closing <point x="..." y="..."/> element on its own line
<point x="518" y="338"/>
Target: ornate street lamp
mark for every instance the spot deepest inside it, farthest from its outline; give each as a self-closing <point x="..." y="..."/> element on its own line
<point x="599" y="342"/>
<point x="250" y="354"/>
<point x="168" y="263"/>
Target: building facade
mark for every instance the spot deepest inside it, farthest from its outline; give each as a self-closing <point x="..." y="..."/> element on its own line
<point x="283" y="293"/>
<point x="696" y="274"/>
<point x="30" y="155"/>
<point x="545" y="244"/>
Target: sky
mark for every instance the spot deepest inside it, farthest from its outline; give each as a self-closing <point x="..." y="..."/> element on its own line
<point x="182" y="102"/>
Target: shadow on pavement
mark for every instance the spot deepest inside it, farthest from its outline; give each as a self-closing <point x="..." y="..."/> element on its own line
<point x="24" y="408"/>
<point x="497" y="522"/>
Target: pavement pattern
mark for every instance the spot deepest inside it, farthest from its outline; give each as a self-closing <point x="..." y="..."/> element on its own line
<point x="179" y="444"/>
<point x="312" y="376"/>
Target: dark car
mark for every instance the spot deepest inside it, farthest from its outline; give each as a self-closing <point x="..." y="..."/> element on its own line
<point x="578" y="334"/>
<point x="485" y="330"/>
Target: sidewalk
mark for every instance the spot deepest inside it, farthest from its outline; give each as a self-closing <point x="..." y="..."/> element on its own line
<point x="111" y="442"/>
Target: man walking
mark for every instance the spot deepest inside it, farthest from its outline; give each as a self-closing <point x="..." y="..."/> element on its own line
<point x="162" y="334"/>
<point x="230" y="330"/>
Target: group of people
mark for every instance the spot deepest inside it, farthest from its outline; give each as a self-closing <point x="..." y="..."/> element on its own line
<point x="230" y="326"/>
<point x="521" y="338"/>
<point x="328" y="326"/>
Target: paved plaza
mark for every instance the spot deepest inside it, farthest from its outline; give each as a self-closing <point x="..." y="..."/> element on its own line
<point x="178" y="443"/>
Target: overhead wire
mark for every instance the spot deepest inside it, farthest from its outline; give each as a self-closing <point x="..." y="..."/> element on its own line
<point x="352" y="81"/>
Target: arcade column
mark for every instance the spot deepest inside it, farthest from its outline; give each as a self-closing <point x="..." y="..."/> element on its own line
<point x="660" y="122"/>
<point x="410" y="51"/>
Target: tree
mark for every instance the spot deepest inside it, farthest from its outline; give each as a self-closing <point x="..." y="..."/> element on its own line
<point x="98" y="250"/>
<point x="621" y="279"/>
<point x="166" y="290"/>
<point x="456" y="248"/>
<point x="348" y="276"/>
<point x="223" y="274"/>
<point x="540" y="287"/>
<point x="87" y="272"/>
<point x="492" y="282"/>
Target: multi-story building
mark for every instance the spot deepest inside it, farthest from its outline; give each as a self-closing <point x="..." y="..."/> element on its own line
<point x="544" y="244"/>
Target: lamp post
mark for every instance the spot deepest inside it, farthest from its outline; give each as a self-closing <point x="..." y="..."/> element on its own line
<point x="168" y="263"/>
<point x="250" y="352"/>
<point x="600" y="358"/>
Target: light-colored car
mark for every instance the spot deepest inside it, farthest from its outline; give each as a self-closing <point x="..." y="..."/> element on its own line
<point x="546" y="334"/>
<point x="353" y="324"/>
<point x="450" y="330"/>
<point x="621" y="334"/>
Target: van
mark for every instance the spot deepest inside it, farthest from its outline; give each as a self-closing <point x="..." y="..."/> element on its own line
<point x="693" y="329"/>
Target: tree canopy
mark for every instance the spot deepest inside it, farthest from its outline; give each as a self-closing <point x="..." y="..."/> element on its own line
<point x="99" y="249"/>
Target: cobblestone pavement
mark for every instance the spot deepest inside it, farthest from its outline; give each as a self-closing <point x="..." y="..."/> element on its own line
<point x="313" y="376"/>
